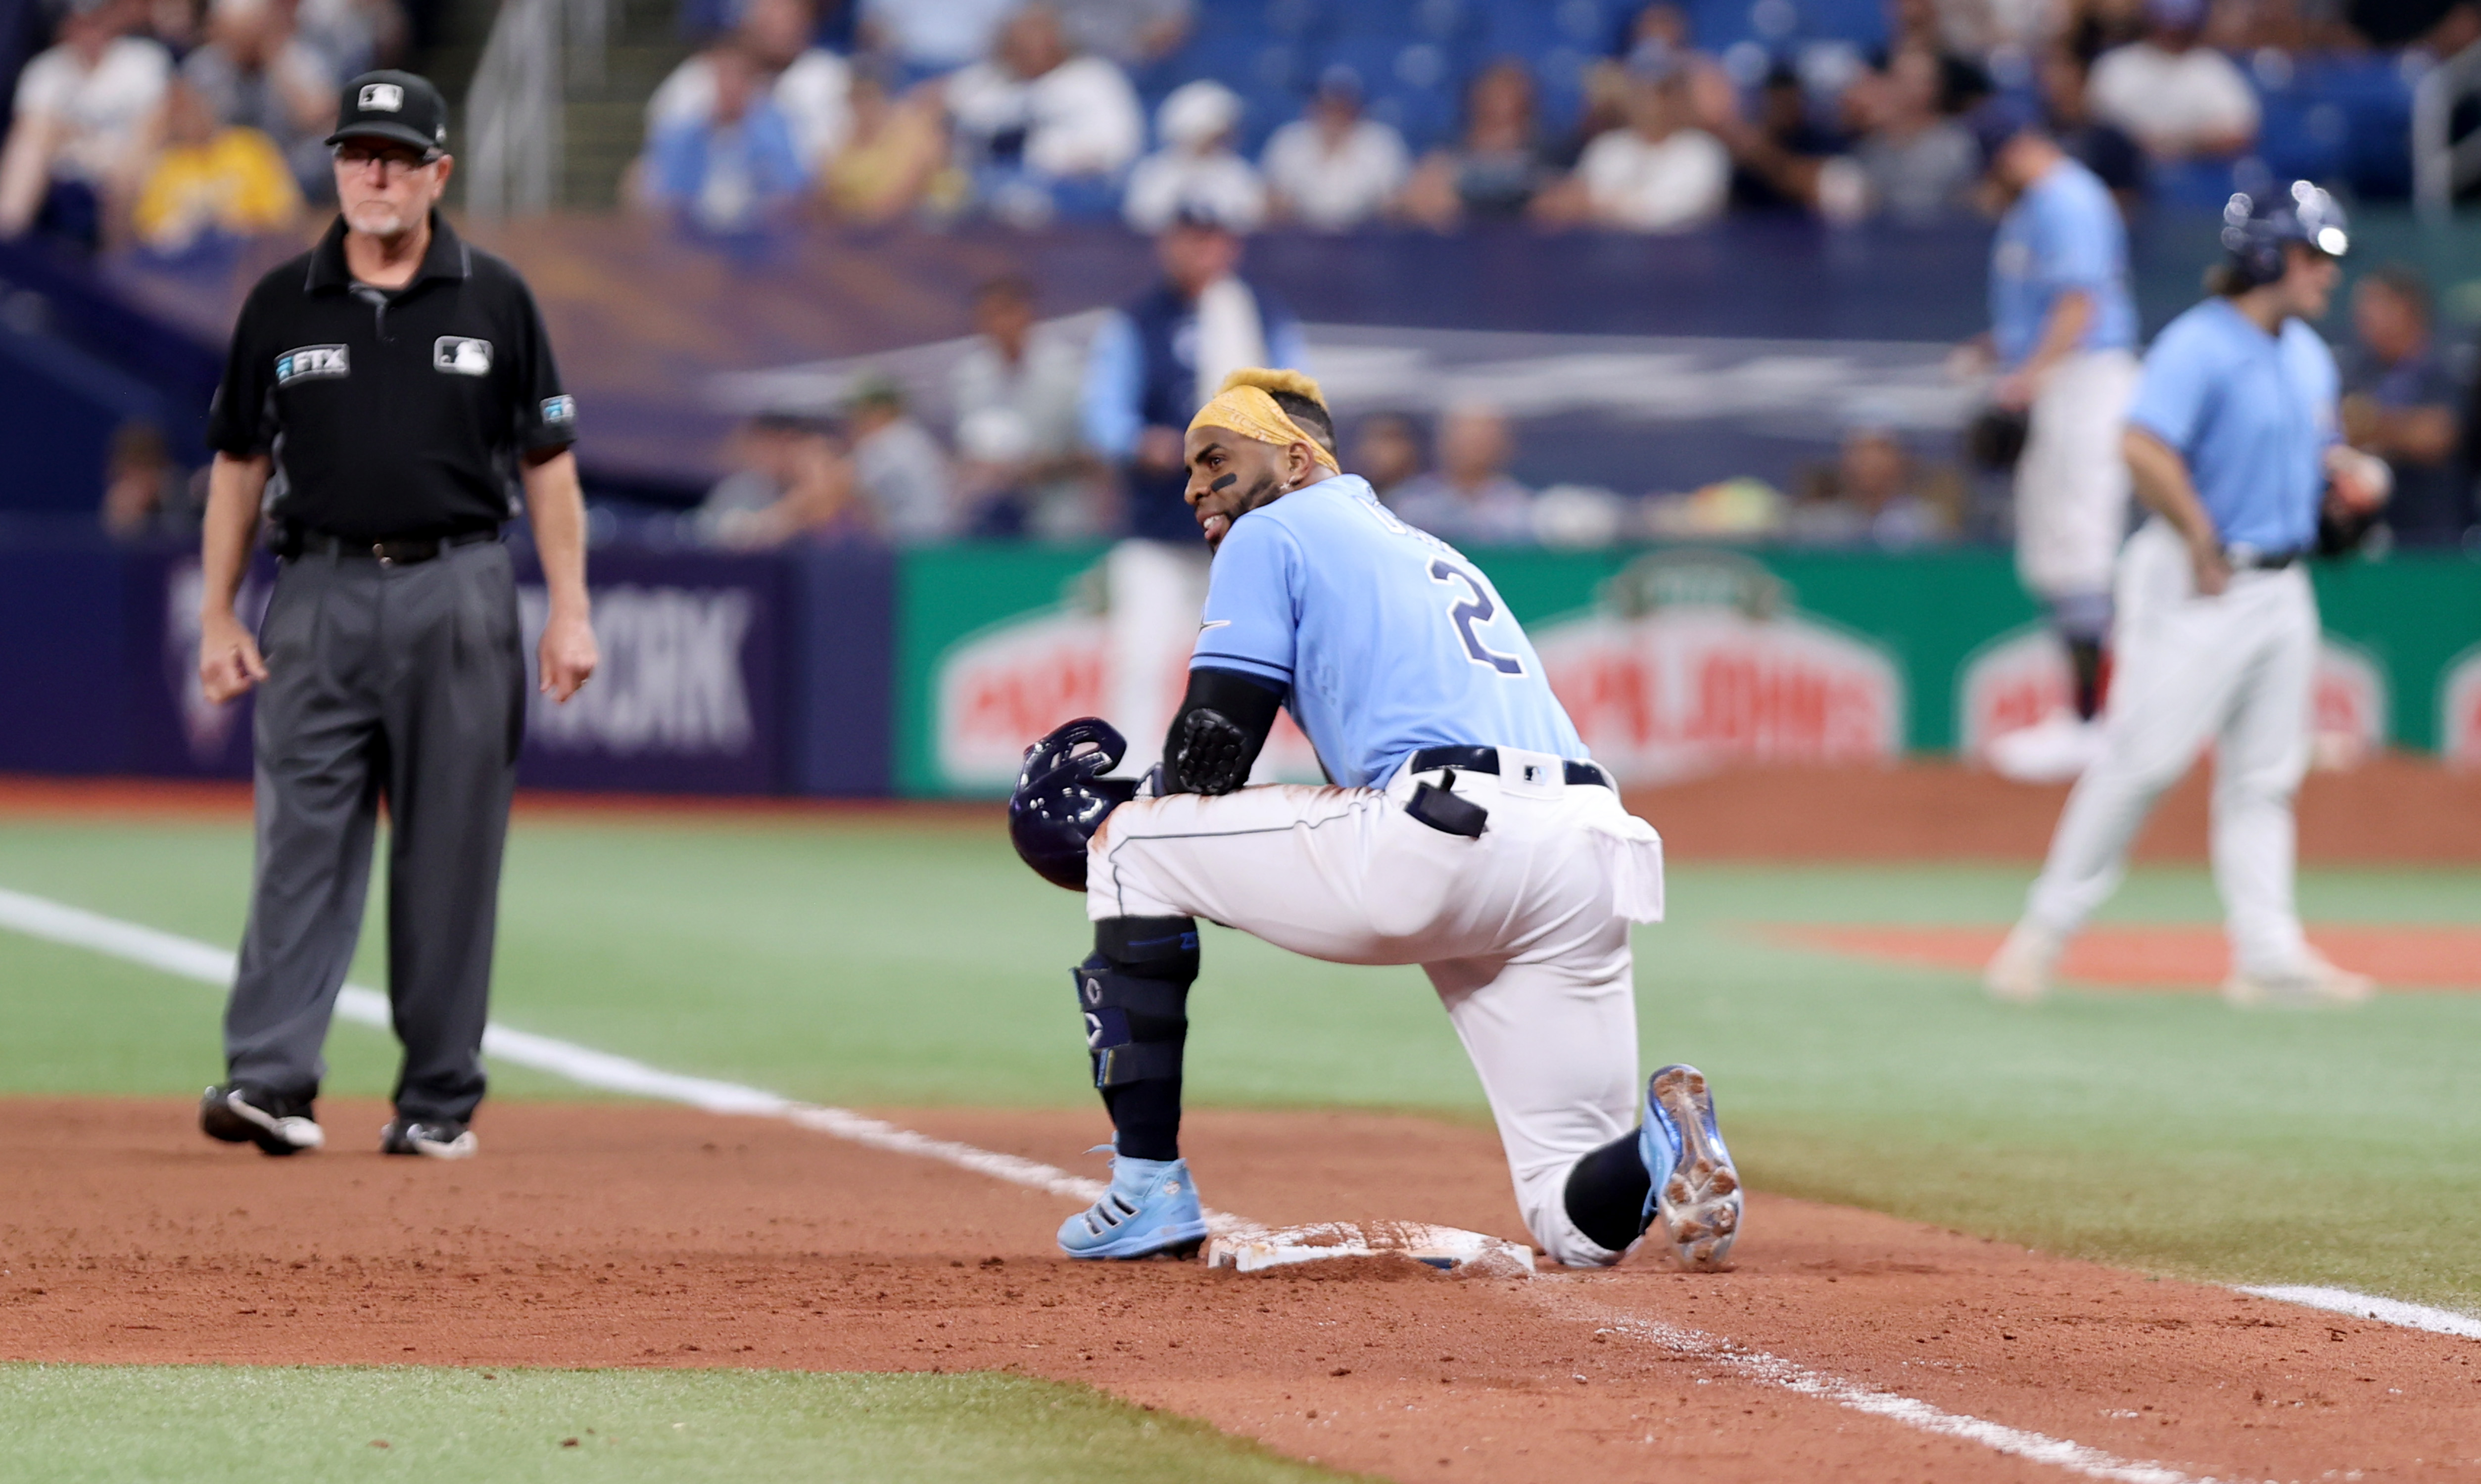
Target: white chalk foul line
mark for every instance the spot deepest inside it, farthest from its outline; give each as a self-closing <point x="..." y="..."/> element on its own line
<point x="2363" y="1306"/>
<point x="188" y="958"/>
<point x="1790" y="1375"/>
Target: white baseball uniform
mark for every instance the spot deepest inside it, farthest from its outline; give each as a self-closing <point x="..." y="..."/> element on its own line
<point x="2252" y="415"/>
<point x="2235" y="671"/>
<point x="2070" y="483"/>
<point x="2064" y="236"/>
<point x="1389" y="643"/>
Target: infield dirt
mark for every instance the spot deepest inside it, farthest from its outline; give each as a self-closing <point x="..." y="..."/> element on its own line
<point x="620" y="1235"/>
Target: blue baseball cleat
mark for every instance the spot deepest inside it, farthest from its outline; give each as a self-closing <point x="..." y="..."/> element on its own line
<point x="1696" y="1191"/>
<point x="1152" y="1206"/>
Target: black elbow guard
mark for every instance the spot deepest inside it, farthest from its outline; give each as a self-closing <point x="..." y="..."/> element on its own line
<point x="1215" y="738"/>
<point x="1213" y="755"/>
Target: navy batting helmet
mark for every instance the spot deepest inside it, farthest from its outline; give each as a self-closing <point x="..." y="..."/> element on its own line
<point x="2255" y="229"/>
<point x="1061" y="797"/>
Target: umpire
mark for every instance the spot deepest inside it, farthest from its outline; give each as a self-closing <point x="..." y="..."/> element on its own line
<point x="385" y="394"/>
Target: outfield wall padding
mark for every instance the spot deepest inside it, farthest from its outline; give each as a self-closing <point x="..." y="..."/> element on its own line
<point x="853" y="671"/>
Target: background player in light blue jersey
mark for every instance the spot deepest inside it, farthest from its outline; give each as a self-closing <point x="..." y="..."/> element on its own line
<point x="2063" y="330"/>
<point x="2233" y="443"/>
<point x="1466" y="831"/>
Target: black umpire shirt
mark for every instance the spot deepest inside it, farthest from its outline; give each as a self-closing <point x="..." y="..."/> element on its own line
<point x="392" y="413"/>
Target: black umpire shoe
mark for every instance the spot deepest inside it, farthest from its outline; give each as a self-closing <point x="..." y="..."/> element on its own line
<point x="238" y="1113"/>
<point x="432" y="1138"/>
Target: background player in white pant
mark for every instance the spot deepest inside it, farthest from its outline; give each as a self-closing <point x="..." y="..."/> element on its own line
<point x="2232" y="442"/>
<point x="1466" y="832"/>
<point x="2063" y="326"/>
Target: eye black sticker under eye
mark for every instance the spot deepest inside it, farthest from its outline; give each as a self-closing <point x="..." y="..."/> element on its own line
<point x="1225" y="482"/>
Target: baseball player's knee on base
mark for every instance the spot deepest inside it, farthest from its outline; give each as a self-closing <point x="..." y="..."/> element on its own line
<point x="1133" y="992"/>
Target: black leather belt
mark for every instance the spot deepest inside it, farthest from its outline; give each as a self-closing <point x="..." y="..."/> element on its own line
<point x="2248" y="558"/>
<point x="1485" y="760"/>
<point x="297" y="541"/>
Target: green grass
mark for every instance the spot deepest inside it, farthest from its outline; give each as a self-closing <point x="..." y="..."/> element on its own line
<point x="207" y="1424"/>
<point x="871" y="962"/>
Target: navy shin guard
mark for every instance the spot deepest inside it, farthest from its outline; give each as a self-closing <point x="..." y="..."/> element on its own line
<point x="1133" y="992"/>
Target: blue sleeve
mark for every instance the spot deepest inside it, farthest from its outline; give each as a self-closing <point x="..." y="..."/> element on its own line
<point x="2171" y="396"/>
<point x="2330" y="381"/>
<point x="1252" y="603"/>
<point x="1114" y="389"/>
<point x="2074" y="245"/>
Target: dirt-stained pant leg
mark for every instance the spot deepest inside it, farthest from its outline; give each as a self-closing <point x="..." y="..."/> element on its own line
<point x="407" y="682"/>
<point x="1515" y="928"/>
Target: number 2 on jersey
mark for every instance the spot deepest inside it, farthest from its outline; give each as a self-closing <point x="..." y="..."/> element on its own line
<point x="1472" y="609"/>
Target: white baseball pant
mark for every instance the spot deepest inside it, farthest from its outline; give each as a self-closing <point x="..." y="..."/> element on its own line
<point x="1524" y="931"/>
<point x="2072" y="486"/>
<point x="2235" y="670"/>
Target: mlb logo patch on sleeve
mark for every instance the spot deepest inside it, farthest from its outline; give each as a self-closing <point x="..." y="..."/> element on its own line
<point x="559" y="409"/>
<point x="461" y="355"/>
<point x="312" y="360"/>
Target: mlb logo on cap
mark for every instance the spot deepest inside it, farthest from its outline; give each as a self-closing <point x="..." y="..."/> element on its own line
<point x="392" y="105"/>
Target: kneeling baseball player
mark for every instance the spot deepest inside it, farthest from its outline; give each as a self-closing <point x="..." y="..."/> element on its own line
<point x="1467" y="833"/>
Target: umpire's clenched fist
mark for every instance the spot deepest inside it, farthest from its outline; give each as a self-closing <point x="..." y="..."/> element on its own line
<point x="228" y="658"/>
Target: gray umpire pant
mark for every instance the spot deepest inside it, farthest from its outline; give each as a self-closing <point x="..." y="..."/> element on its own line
<point x="403" y="683"/>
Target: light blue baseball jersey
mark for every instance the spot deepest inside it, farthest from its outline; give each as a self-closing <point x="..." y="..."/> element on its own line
<point x="2252" y="413"/>
<point x="2063" y="233"/>
<point x="1390" y="640"/>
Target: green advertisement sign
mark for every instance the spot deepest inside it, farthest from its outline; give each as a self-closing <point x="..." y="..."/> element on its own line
<point x="1673" y="661"/>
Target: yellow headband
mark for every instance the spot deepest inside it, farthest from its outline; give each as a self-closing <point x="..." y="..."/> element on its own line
<point x="1251" y="412"/>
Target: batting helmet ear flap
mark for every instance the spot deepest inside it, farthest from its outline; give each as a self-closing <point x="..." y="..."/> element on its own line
<point x="1061" y="797"/>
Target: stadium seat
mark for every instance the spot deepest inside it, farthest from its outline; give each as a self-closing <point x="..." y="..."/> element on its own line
<point x="2194" y="184"/>
<point x="2303" y="135"/>
<point x="2337" y="118"/>
<point x="1556" y="41"/>
<point x="1247" y="21"/>
<point x="2374" y="96"/>
<point x="1396" y="20"/>
<point x="1412" y="85"/>
<point x="1559" y="88"/>
<point x="1781" y="25"/>
<point x="1518" y="28"/>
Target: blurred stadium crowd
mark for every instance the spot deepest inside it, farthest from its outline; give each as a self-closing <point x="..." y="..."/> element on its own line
<point x="164" y="120"/>
<point x="1056" y="438"/>
<point x="1609" y="113"/>
<point x="172" y="123"/>
<point x="175" y="128"/>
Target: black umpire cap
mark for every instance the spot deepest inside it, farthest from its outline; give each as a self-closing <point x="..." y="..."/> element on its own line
<point x="394" y="106"/>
